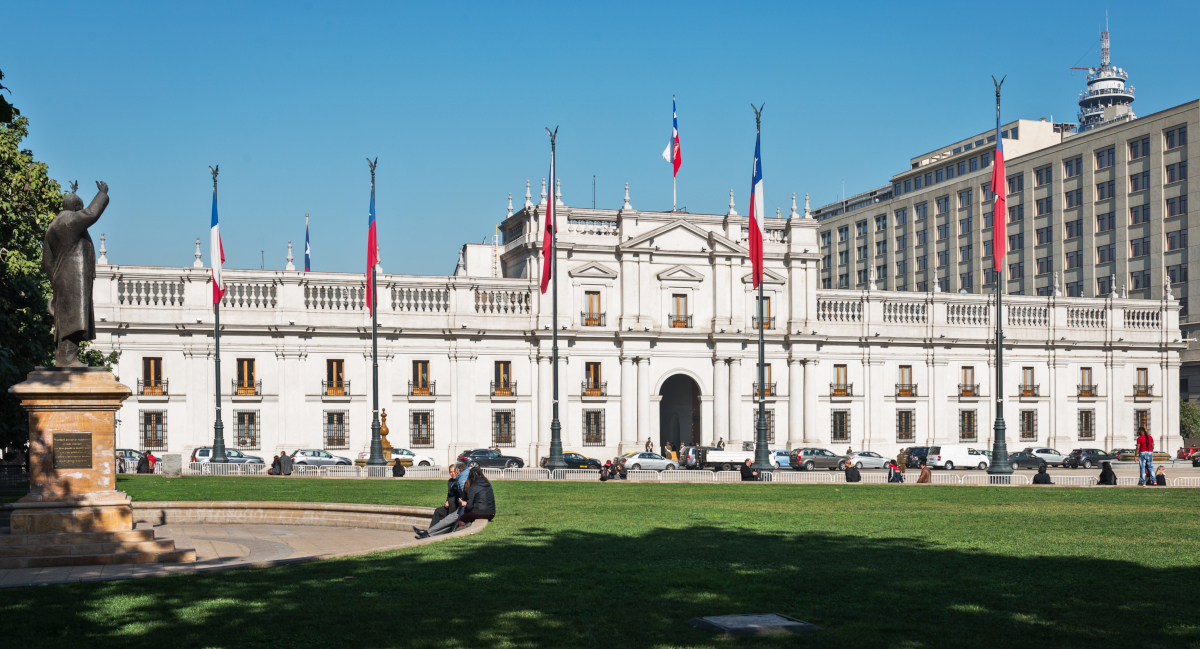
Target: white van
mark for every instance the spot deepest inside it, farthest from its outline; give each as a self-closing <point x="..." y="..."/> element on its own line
<point x="956" y="455"/>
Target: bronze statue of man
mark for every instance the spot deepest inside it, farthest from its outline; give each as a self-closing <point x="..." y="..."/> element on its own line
<point x="69" y="259"/>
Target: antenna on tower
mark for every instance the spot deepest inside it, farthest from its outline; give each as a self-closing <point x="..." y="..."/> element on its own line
<point x="1104" y="43"/>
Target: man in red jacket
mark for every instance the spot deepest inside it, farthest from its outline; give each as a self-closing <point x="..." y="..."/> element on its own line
<point x="1145" y="449"/>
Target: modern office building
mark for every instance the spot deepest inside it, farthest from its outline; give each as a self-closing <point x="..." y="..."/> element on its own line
<point x="1094" y="213"/>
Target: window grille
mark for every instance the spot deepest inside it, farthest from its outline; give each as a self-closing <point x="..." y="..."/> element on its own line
<point x="770" y="424"/>
<point x="1029" y="426"/>
<point x="421" y="428"/>
<point x="841" y="426"/>
<point x="593" y="427"/>
<point x="967" y="426"/>
<point x="904" y="425"/>
<point x="1087" y="425"/>
<point x="154" y="429"/>
<point x="1141" y="418"/>
<point x="502" y="427"/>
<point x="249" y="428"/>
<point x="337" y="427"/>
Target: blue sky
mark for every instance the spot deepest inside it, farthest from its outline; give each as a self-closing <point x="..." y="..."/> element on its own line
<point x="290" y="99"/>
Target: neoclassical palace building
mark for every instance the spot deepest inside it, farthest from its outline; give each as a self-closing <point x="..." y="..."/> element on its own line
<point x="658" y="340"/>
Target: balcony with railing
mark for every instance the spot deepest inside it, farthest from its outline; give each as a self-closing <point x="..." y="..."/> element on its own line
<point x="591" y="319"/>
<point x="1087" y="391"/>
<point x="152" y="388"/>
<point x="677" y="321"/>
<point x="841" y="389"/>
<point x="595" y="388"/>
<point x="1029" y="390"/>
<point x="427" y="390"/>
<point x="1140" y="390"/>
<point x="335" y="388"/>
<point x="504" y="389"/>
<point x="968" y="389"/>
<point x="906" y="389"/>
<point x="768" y="321"/>
<point x="769" y="390"/>
<point x="246" y="389"/>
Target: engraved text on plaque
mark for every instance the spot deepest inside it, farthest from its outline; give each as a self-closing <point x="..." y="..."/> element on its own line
<point x="72" y="450"/>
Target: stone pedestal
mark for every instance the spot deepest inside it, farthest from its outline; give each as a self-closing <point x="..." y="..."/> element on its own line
<point x="72" y="455"/>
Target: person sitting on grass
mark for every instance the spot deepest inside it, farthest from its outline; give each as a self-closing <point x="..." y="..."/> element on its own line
<point x="1107" y="477"/>
<point x="925" y="477"/>
<point x="398" y="469"/>
<point x="480" y="503"/>
<point x="274" y="470"/>
<point x="285" y="464"/>
<point x="620" y="471"/>
<point x="1160" y="477"/>
<point x="853" y="474"/>
<point x="748" y="472"/>
<point x="446" y="516"/>
<point x="1042" y="477"/>
<point x="606" y="471"/>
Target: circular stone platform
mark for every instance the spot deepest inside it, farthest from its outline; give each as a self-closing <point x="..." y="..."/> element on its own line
<point x="231" y="535"/>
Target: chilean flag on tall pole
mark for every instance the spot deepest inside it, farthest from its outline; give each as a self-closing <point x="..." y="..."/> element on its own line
<point x="372" y="247"/>
<point x="216" y="250"/>
<point x="548" y="232"/>
<point x="673" y="153"/>
<point x="307" y="249"/>
<point x="756" y="215"/>
<point x="999" y="187"/>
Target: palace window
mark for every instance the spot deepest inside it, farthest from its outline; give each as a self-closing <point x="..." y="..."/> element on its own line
<point x="420" y="385"/>
<point x="593" y="427"/>
<point x="968" y="387"/>
<point x="420" y="428"/>
<point x="335" y="377"/>
<point x="246" y="384"/>
<point x="502" y="427"/>
<point x="967" y="425"/>
<point x="592" y="317"/>
<point x="840" y="429"/>
<point x="841" y="386"/>
<point x="154" y="429"/>
<point x="337" y="428"/>
<point x="502" y="383"/>
<point x="1087" y="425"/>
<point x="1141" y="419"/>
<point x="247" y="437"/>
<point x="152" y="377"/>
<point x="905" y="431"/>
<point x="592" y="384"/>
<point x="1028" y="420"/>
<point x="1086" y="387"/>
<point x="680" y="317"/>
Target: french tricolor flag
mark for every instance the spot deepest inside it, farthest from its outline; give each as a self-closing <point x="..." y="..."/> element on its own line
<point x="756" y="215"/>
<point x="218" y="254"/>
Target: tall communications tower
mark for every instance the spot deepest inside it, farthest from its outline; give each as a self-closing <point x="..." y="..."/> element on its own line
<point x="1107" y="98"/>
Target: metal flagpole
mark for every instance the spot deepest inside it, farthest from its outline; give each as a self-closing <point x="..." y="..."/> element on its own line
<point x="556" y="457"/>
<point x="218" y="454"/>
<point x="999" y="462"/>
<point x="762" y="458"/>
<point x="377" y="458"/>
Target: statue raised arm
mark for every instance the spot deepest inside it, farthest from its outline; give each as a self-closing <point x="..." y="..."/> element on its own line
<point x="69" y="259"/>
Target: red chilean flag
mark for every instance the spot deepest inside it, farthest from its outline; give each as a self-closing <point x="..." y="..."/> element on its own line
<point x="548" y="231"/>
<point x="756" y="216"/>
<point x="1000" y="212"/>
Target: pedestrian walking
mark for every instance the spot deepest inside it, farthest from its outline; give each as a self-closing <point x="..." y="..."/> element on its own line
<point x="926" y="477"/>
<point x="1145" y="450"/>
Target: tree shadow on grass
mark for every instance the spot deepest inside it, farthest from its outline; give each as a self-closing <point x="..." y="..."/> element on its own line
<point x="540" y="588"/>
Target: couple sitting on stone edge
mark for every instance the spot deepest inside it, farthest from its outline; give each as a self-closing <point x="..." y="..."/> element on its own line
<point x="469" y="498"/>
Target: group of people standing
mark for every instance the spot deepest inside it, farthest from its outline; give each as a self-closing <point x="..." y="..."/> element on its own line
<point x="469" y="497"/>
<point x="281" y="464"/>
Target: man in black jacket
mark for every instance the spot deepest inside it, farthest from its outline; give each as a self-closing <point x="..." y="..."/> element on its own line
<point x="1042" y="477"/>
<point x="748" y="472"/>
<point x="480" y="500"/>
<point x="452" y="496"/>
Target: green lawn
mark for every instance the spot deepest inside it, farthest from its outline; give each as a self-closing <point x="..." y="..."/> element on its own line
<point x="625" y="565"/>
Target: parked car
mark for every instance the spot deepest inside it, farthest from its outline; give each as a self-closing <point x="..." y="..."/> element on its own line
<point x="404" y="455"/>
<point x="128" y="459"/>
<point x="1186" y="452"/>
<point x="488" y="459"/>
<point x="949" y="456"/>
<point x="204" y="454"/>
<point x="1050" y="455"/>
<point x="641" y="460"/>
<point x="1088" y="457"/>
<point x="867" y="460"/>
<point x="1025" y="460"/>
<point x="1118" y="452"/>
<point x="807" y="459"/>
<point x="575" y="461"/>
<point x="1130" y="455"/>
<point x="317" y="457"/>
<point x="915" y="455"/>
<point x="781" y="459"/>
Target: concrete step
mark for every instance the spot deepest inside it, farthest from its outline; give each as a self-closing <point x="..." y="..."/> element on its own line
<point x="63" y="549"/>
<point x="172" y="556"/>
<point x="74" y="538"/>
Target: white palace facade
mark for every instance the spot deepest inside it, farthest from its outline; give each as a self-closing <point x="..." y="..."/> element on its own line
<point x="658" y="340"/>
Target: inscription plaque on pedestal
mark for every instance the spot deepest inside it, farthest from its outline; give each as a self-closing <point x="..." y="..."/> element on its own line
<point x="72" y="450"/>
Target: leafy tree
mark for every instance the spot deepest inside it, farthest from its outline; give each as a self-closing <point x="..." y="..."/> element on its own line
<point x="97" y="358"/>
<point x="29" y="199"/>
<point x="7" y="110"/>
<point x="1189" y="419"/>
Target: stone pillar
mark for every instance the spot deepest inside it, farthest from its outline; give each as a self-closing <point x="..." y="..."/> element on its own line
<point x="72" y="456"/>
<point x="795" y="427"/>
<point x="629" y="419"/>
<point x="643" y="401"/>
<point x="736" y="425"/>
<point x="545" y="402"/>
<point x="812" y="385"/>
<point x="720" y="400"/>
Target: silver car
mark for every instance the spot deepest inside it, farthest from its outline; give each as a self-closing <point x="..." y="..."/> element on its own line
<point x="640" y="460"/>
<point x="867" y="460"/>
<point x="317" y="457"/>
<point x="1050" y="455"/>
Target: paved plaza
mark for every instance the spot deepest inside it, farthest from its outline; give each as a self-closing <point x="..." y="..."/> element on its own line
<point x="228" y="547"/>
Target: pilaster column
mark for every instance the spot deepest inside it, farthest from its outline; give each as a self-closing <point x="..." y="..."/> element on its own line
<point x="629" y="418"/>
<point x="736" y="425"/>
<point x="643" y="400"/>
<point x="795" y="403"/>
<point x="545" y="385"/>
<point x="720" y="399"/>
<point x="812" y="384"/>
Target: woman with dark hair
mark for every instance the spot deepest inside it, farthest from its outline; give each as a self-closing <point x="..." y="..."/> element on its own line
<point x="481" y="501"/>
<point x="1107" y="477"/>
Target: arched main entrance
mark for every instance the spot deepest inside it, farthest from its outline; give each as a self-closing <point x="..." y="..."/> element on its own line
<point x="679" y="412"/>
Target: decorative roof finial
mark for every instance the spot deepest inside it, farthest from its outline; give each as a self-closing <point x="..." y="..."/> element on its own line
<point x="732" y="212"/>
<point x="528" y="203"/>
<point x="871" y="284"/>
<point x="290" y="265"/>
<point x="543" y="201"/>
<point x="778" y="213"/>
<point x="794" y="214"/>
<point x="197" y="263"/>
<point x="461" y="268"/>
<point x="1112" y="285"/>
<point x="510" y="203"/>
<point x="807" y="212"/>
<point x="103" y="260"/>
<point x="558" y="191"/>
<point x="626" y="206"/>
<point x="1168" y="295"/>
<point x="378" y="259"/>
<point x="1057" y="293"/>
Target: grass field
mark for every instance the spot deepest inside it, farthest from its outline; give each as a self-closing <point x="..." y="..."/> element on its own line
<point x="625" y="565"/>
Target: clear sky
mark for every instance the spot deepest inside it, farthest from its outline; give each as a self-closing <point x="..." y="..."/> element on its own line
<point x="290" y="98"/>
